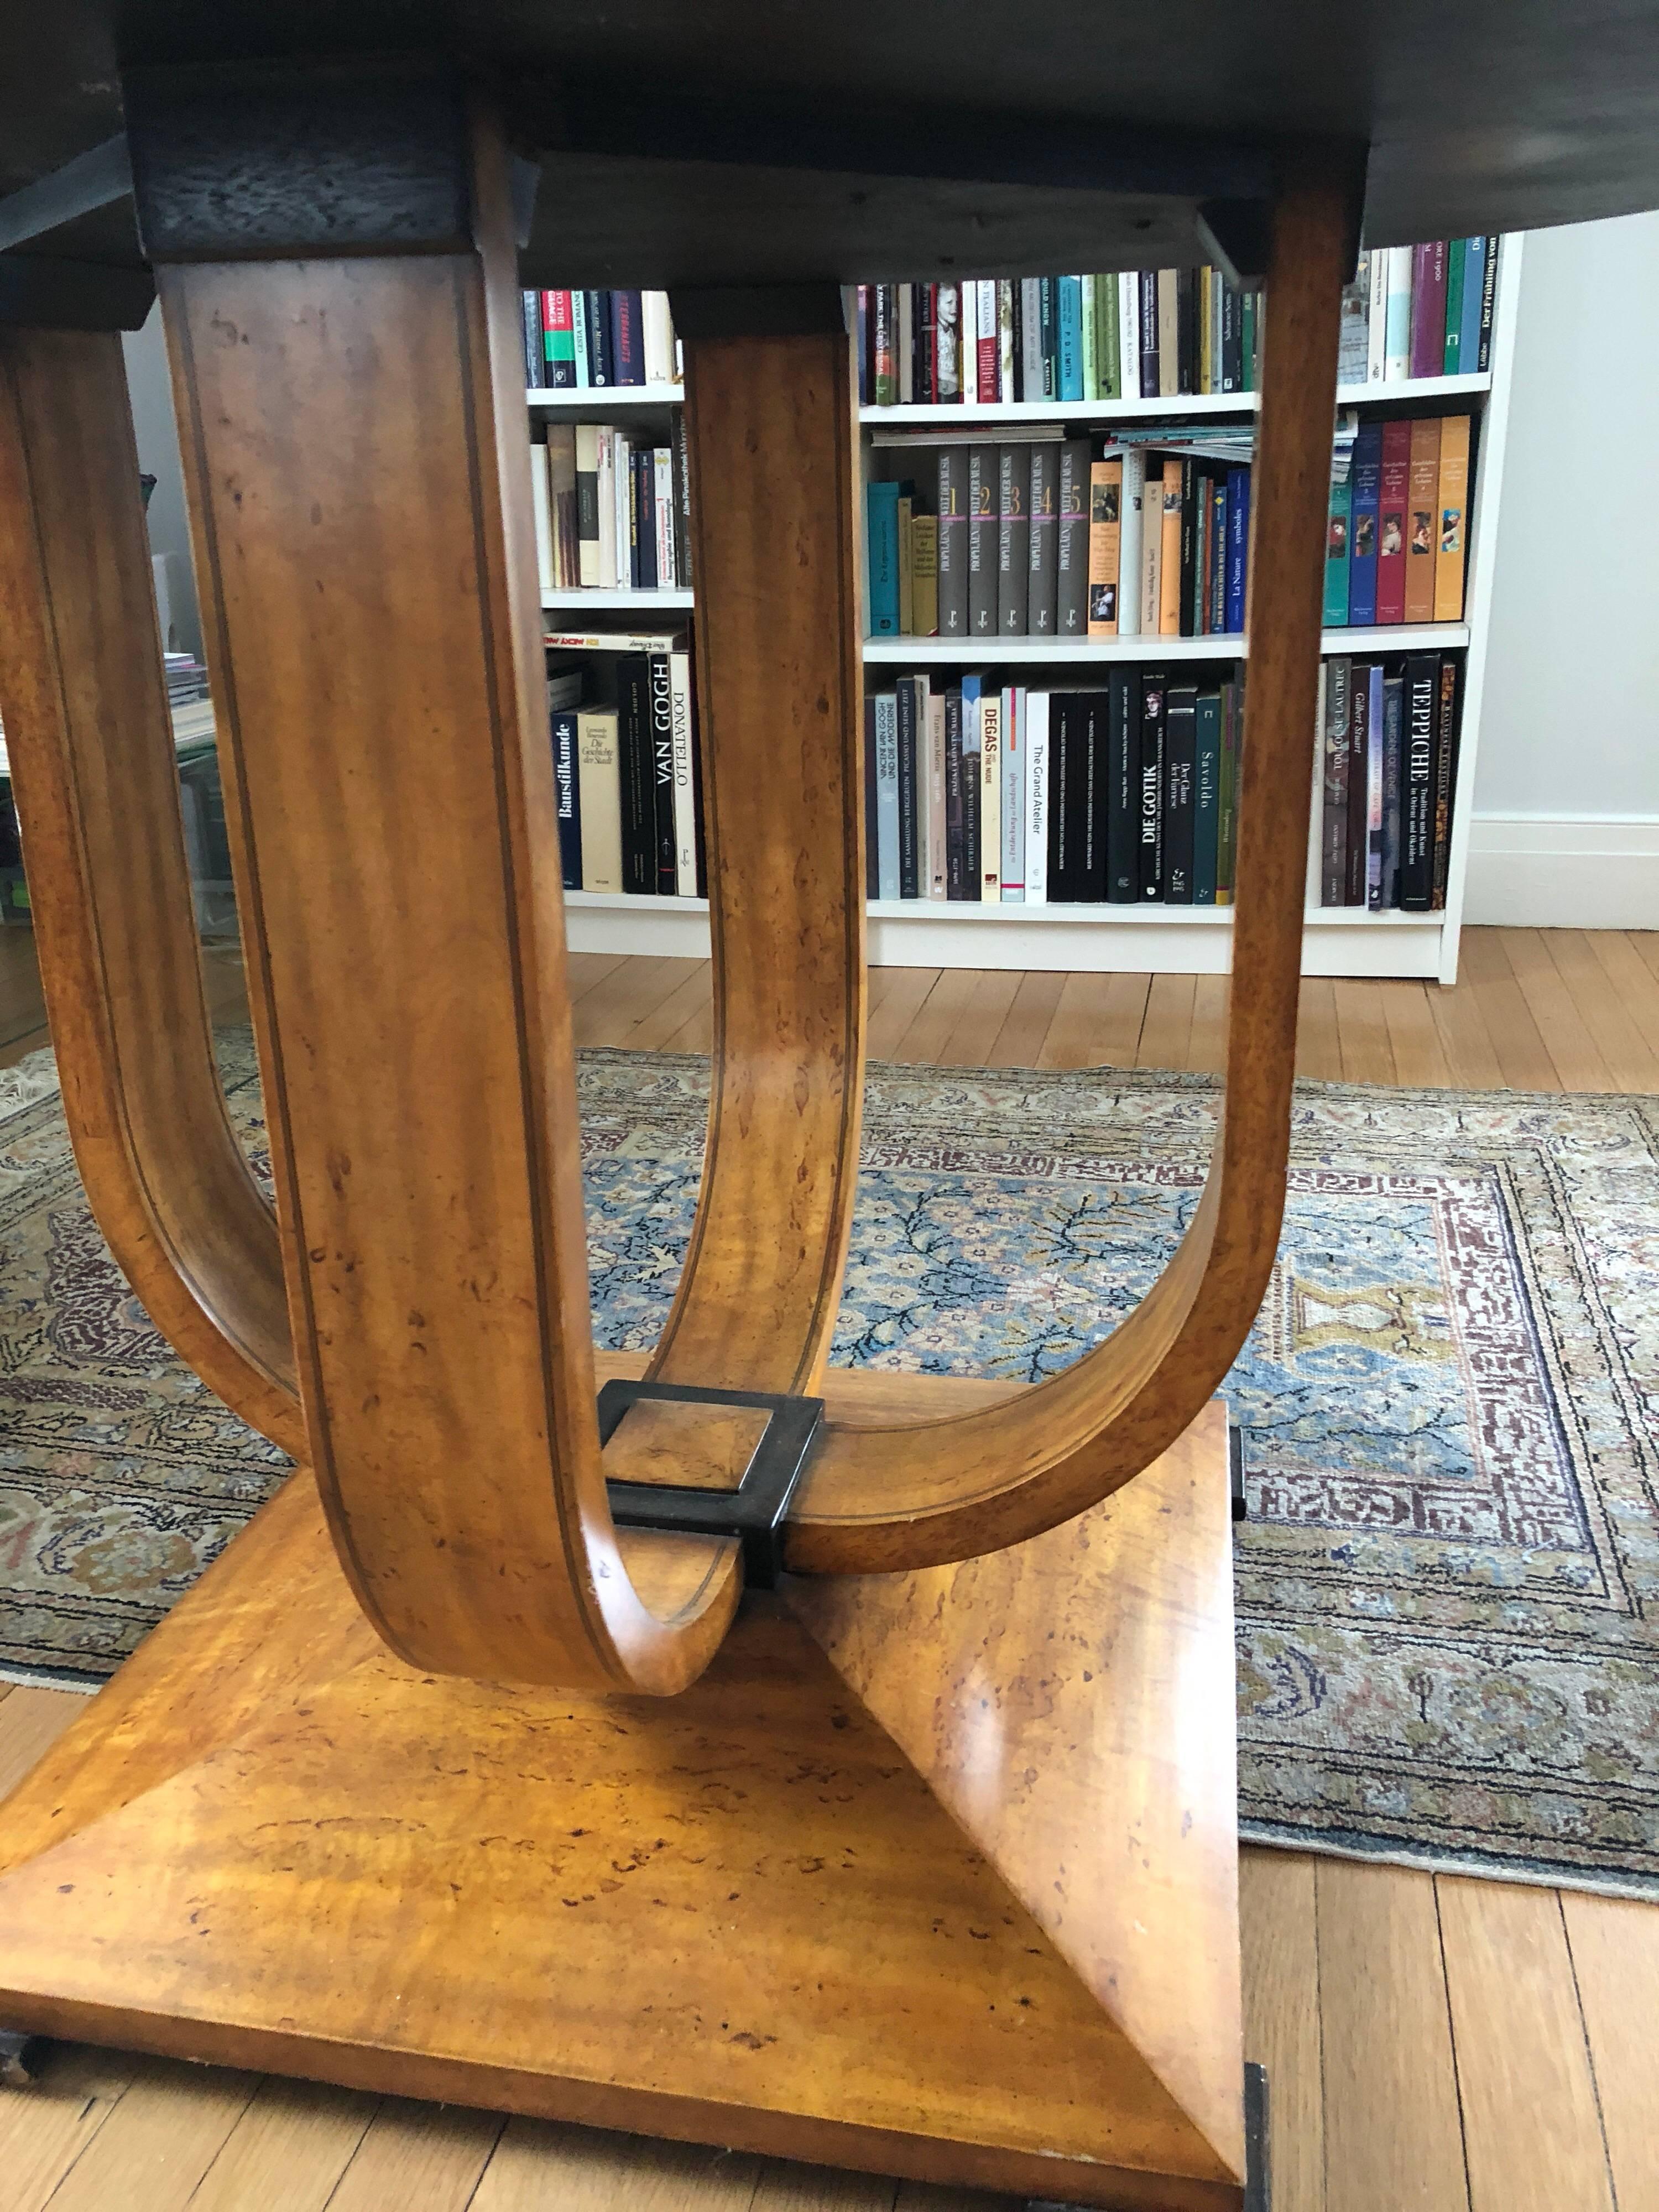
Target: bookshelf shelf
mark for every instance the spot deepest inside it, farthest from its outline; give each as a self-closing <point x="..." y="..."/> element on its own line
<point x="594" y="601"/>
<point x="1071" y="651"/>
<point x="604" y="399"/>
<point x="1194" y="407"/>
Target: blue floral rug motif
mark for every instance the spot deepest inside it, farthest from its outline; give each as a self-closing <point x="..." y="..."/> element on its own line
<point x="1449" y="1583"/>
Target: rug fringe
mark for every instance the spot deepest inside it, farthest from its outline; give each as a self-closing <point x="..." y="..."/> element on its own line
<point x="1472" y="1866"/>
<point x="51" y="1678"/>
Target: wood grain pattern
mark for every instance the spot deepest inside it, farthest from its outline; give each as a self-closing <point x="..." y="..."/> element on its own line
<point x="374" y="634"/>
<point x="781" y="717"/>
<point x="1614" y="1943"/>
<point x="878" y="1499"/>
<point x="1279" y="1941"/>
<point x="90" y="743"/>
<point x="591" y="1885"/>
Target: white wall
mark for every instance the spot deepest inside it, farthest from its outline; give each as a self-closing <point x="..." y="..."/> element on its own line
<point x="158" y="456"/>
<point x="1565" y="828"/>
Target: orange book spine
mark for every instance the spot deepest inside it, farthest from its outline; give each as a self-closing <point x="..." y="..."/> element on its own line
<point x="1168" y="573"/>
<point x="1422" y="502"/>
<point x="1151" y="550"/>
<point x="1105" y="545"/>
<point x="1453" y="519"/>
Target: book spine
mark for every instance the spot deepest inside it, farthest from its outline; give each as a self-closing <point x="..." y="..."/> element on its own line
<point x="1169" y="332"/>
<point x="1191" y="544"/>
<point x="541" y="501"/>
<point x="1394" y="496"/>
<point x="1186" y="333"/>
<point x="1218" y="585"/>
<point x="1030" y="336"/>
<point x="1065" y="833"/>
<point x="1248" y="318"/>
<point x="639" y="814"/>
<point x="1474" y="286"/>
<point x="1393" y="717"/>
<point x="906" y="569"/>
<point x="983" y="532"/>
<point x="645" y="472"/>
<point x="883" y="382"/>
<point x="1091" y="338"/>
<point x="956" y="850"/>
<point x="1105" y="544"/>
<point x="1445" y="774"/>
<point x="1354" y="346"/>
<point x="1013" y="540"/>
<point x="1428" y="341"/>
<point x="1151" y="551"/>
<point x="1333" y="821"/>
<point x="865" y="320"/>
<point x="1451" y="512"/>
<point x="561" y="492"/>
<point x="924" y="575"/>
<point x="1109" y="343"/>
<point x="622" y="525"/>
<point x="909" y="839"/>
<point x="1150" y="372"/>
<point x="1422" y="498"/>
<point x="1149" y="864"/>
<point x="871" y="803"/>
<point x="568" y="797"/>
<point x="601" y="371"/>
<point x="990" y="797"/>
<point x="682" y="503"/>
<point x="579" y="340"/>
<point x="1451" y="352"/>
<point x="1397" y="343"/>
<point x="904" y="343"/>
<point x="1337" y="522"/>
<point x="1226" y="828"/>
<point x="1131" y="507"/>
<point x="1049" y="337"/>
<point x="1356" y="830"/>
<point x="1005" y="391"/>
<point x="685" y="790"/>
<point x="558" y="341"/>
<point x="535" y="353"/>
<point x="657" y="326"/>
<point x="1232" y="335"/>
<point x="1042" y="618"/>
<point x="1376" y="320"/>
<point x="1417" y="795"/>
<point x="1119" y="792"/>
<point x="1038" y="799"/>
<point x="1071" y="541"/>
<point x="1070" y="339"/>
<point x="1365" y="474"/>
<point x="1488" y="306"/>
<point x="970" y="788"/>
<point x="1208" y="381"/>
<point x="662" y="775"/>
<point x="587" y="504"/>
<point x="599" y="800"/>
<point x="1013" y="795"/>
<point x="1238" y="545"/>
<point x="1129" y="334"/>
<point x="1374" y="734"/>
<point x="887" y="794"/>
<point x="1207" y="796"/>
<point x="1313" y="882"/>
<point x="1180" y="769"/>
<point x="1169" y="596"/>
<point x="881" y="510"/>
<point x="930" y="730"/>
<point x="953" y="541"/>
<point x="627" y="337"/>
<point x="988" y="362"/>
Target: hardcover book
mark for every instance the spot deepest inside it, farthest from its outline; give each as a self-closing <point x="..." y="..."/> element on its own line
<point x="1013" y="539"/>
<point x="953" y="541"/>
<point x="1120" y="799"/>
<point x="1393" y="494"/>
<point x="599" y="800"/>
<point x="1453" y="507"/>
<point x="1417" y="796"/>
<point x="1180" y="774"/>
<point x="1429" y="307"/>
<point x="1071" y="540"/>
<point x="567" y="797"/>
<point x="1149" y="833"/>
<point x="1423" y="501"/>
<point x="881" y="507"/>
<point x="982" y="530"/>
<point x="1365" y="476"/>
<point x="1337" y="521"/>
<point x="1207" y="796"/>
<point x="1043" y="611"/>
<point x="1333" y="820"/>
<point x="1105" y="539"/>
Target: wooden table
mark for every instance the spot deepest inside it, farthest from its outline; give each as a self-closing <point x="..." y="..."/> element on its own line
<point x="690" y="1871"/>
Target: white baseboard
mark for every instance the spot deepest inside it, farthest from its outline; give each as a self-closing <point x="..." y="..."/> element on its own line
<point x="1538" y="872"/>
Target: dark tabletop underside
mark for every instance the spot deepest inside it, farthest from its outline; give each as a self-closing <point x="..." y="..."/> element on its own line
<point x="1480" y="116"/>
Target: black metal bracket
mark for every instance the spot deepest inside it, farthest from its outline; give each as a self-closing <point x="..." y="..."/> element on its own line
<point x="18" y="2054"/>
<point x="755" y="1510"/>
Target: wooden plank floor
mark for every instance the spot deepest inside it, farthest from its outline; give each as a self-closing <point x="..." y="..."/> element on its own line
<point x="1433" y="2045"/>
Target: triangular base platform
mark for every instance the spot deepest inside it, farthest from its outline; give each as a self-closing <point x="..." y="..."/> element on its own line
<point x="742" y="1917"/>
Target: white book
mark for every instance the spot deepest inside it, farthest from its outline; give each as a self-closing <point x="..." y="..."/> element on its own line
<point x="1317" y="817"/>
<point x="1037" y="798"/>
<point x="662" y="486"/>
<point x="622" y="522"/>
<point x="579" y="338"/>
<point x="1397" y="317"/>
<point x="607" y="474"/>
<point x="886" y="827"/>
<point x="1377" y="346"/>
<point x="1128" y="332"/>
<point x="920" y="688"/>
<point x="541" y="501"/>
<point x="1013" y="794"/>
<point x="598" y="789"/>
<point x="1005" y="340"/>
<point x="986" y="328"/>
<point x="1131" y="523"/>
<point x="1152" y="554"/>
<point x="685" y="790"/>
<point x="658" y="337"/>
<point x="937" y="883"/>
<point x="990" y="797"/>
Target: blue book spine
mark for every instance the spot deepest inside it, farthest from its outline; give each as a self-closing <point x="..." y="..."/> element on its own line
<point x="1013" y="796"/>
<point x="1238" y="546"/>
<point x="881" y="514"/>
<point x="1474" y="286"/>
<point x="1071" y="338"/>
<point x="1336" y="555"/>
<point x="887" y="806"/>
<point x="568" y="797"/>
<point x="1365" y="474"/>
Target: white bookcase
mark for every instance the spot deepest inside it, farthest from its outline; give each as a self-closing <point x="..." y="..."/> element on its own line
<point x="1187" y="940"/>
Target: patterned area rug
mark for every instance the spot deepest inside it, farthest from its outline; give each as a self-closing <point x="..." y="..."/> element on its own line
<point x="1447" y="1586"/>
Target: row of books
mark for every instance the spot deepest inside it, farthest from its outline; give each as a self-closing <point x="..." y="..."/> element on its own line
<point x="1049" y="537"/>
<point x="1146" y="334"/>
<point x="589" y="341"/>
<point x="1386" y="774"/>
<point x="1419" y="311"/>
<point x="1122" y="794"/>
<point x="613" y="512"/>
<point x="622" y="720"/>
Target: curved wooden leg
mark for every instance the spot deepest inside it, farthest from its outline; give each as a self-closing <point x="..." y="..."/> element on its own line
<point x="354" y="440"/>
<point x="772" y="427"/>
<point x="884" y="1494"/>
<point x="90" y="742"/>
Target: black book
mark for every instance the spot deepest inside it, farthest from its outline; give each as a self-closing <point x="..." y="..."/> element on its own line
<point x="1356" y="833"/>
<point x="1187" y="330"/>
<point x="1334" y="861"/>
<point x="662" y="765"/>
<point x="1013" y="539"/>
<point x="1071" y="541"/>
<point x="645" y="517"/>
<point x="1117" y="795"/>
<point x="1180" y="775"/>
<point x="567" y="796"/>
<point x="953" y="541"/>
<point x="1445" y="765"/>
<point x="981" y="541"/>
<point x="1089" y="753"/>
<point x="682" y="503"/>
<point x="1042" y="618"/>
<point x="601" y="368"/>
<point x="1149" y="825"/>
<point x="1018" y="347"/>
<point x="535" y="357"/>
<point x="635" y="772"/>
<point x="1417" y="798"/>
<point x="871" y="844"/>
<point x="1232" y="339"/>
<point x="909" y="871"/>
<point x="1191" y="483"/>
<point x="627" y="337"/>
<point x="924" y="323"/>
<point x="956" y="847"/>
<point x="1065" y="830"/>
<point x="1048" y="310"/>
<point x="1149" y="334"/>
